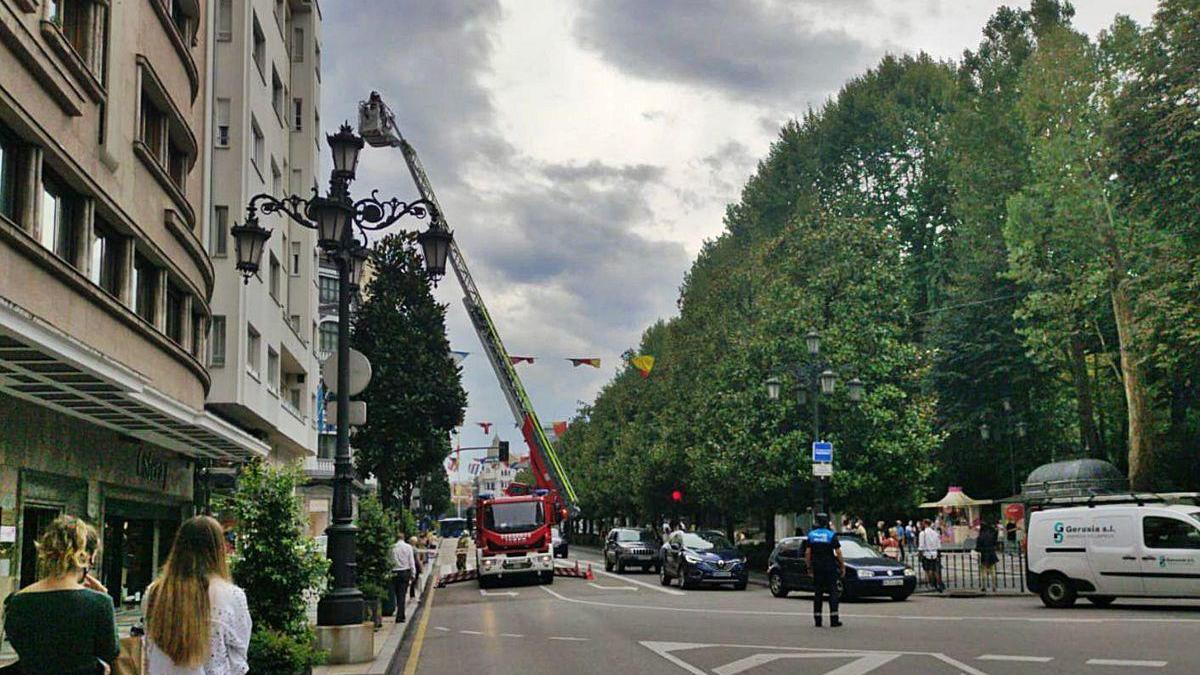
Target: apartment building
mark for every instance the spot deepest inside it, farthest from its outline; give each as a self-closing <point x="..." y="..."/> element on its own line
<point x="267" y="139"/>
<point x="105" y="281"/>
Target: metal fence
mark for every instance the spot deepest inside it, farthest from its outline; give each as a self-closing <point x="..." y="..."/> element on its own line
<point x="961" y="571"/>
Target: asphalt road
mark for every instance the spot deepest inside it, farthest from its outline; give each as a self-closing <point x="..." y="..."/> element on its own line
<point x="629" y="624"/>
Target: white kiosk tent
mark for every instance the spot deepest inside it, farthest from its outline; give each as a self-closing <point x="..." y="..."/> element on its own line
<point x="961" y="511"/>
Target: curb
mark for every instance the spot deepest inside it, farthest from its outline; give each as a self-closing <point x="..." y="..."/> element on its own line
<point x="395" y="664"/>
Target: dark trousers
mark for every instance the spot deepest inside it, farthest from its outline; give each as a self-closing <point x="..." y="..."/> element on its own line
<point x="825" y="585"/>
<point x="400" y="581"/>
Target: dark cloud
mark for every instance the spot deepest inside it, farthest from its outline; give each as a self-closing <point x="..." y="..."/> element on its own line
<point x="764" y="51"/>
<point x="596" y="171"/>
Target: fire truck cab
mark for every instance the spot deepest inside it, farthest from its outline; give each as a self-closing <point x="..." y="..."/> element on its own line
<point x="513" y="538"/>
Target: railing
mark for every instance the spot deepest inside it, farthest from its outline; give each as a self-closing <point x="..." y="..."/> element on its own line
<point x="320" y="465"/>
<point x="961" y="571"/>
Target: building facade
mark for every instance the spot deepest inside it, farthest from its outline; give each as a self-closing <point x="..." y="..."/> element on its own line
<point x="266" y="139"/>
<point x="105" y="282"/>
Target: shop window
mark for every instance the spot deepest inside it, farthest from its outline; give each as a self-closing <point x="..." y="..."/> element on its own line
<point x="175" y="313"/>
<point x="145" y="280"/>
<point x="260" y="48"/>
<point x="60" y="207"/>
<point x="225" y="20"/>
<point x="105" y="269"/>
<point x="222" y="113"/>
<point x="272" y="370"/>
<point x="253" y="350"/>
<point x="216" y="341"/>
<point x="218" y="236"/>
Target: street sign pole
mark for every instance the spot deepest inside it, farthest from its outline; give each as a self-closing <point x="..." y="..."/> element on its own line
<point x="822" y="470"/>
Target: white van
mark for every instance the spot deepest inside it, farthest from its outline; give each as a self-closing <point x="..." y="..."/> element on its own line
<point x="1149" y="550"/>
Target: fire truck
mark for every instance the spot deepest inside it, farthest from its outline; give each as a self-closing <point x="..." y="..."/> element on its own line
<point x="503" y="546"/>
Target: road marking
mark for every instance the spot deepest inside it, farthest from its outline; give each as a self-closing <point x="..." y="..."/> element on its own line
<point x="863" y="663"/>
<point x="887" y="617"/>
<point x="414" y="657"/>
<point x="1012" y="657"/>
<point x="569" y="639"/>
<point x="442" y="628"/>
<point x="612" y="588"/>
<point x="470" y="632"/>
<point x="656" y="587"/>
<point x="513" y="635"/>
<point x="486" y="593"/>
<point x="1126" y="663"/>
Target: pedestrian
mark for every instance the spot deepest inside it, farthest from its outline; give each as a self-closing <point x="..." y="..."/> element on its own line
<point x="823" y="555"/>
<point x="197" y="621"/>
<point x="930" y="545"/>
<point x="881" y="532"/>
<point x="64" y="623"/>
<point x="860" y="529"/>
<point x="1010" y="533"/>
<point x="460" y="551"/>
<point x="985" y="545"/>
<point x="910" y="535"/>
<point x="898" y="534"/>
<point x="418" y="566"/>
<point x="403" y="565"/>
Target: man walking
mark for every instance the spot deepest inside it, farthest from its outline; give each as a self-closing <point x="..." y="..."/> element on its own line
<point x="823" y="554"/>
<point x="930" y="545"/>
<point x="403" y="564"/>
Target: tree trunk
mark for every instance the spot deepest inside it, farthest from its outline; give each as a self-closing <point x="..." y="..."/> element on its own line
<point x="1137" y="402"/>
<point x="1088" y="436"/>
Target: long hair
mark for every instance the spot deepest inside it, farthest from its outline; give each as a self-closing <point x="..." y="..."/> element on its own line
<point x="66" y="546"/>
<point x="178" y="615"/>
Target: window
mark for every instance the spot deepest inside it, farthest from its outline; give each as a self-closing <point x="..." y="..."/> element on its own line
<point x="294" y="269"/>
<point x="297" y="114"/>
<point x="73" y="18"/>
<point x="153" y="131"/>
<point x="328" y="337"/>
<point x="253" y="350"/>
<point x="59" y="207"/>
<point x="257" y="157"/>
<point x="272" y="370"/>
<point x="177" y="166"/>
<point x="327" y="446"/>
<point x="317" y="58"/>
<point x="294" y="398"/>
<point x="225" y="20"/>
<point x="328" y="290"/>
<point x="218" y="235"/>
<point x="276" y="179"/>
<point x="106" y="258"/>
<point x="277" y="95"/>
<point x="260" y="48"/>
<point x="184" y="21"/>
<point x="298" y="45"/>
<point x="297" y="181"/>
<point x="275" y="274"/>
<point x="145" y="279"/>
<point x="1160" y="532"/>
<point x="174" y="313"/>
<point x="216" y="339"/>
<point x="8" y="174"/>
<point x="198" y="335"/>
<point x="222" y="113"/>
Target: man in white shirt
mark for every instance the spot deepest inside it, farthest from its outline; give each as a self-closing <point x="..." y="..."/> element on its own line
<point x="929" y="543"/>
<point x="404" y="564"/>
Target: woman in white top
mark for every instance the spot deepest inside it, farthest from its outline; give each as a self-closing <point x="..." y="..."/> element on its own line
<point x="196" y="619"/>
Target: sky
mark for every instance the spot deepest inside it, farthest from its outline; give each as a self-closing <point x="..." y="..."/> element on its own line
<point x="583" y="151"/>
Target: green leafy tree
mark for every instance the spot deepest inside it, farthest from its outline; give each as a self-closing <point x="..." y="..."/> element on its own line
<point x="376" y="534"/>
<point x="416" y="397"/>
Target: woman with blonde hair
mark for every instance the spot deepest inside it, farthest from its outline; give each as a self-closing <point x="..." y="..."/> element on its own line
<point x="64" y="623"/>
<point x="197" y="622"/>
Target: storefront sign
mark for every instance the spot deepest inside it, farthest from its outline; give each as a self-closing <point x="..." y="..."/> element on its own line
<point x="1014" y="512"/>
<point x="151" y="469"/>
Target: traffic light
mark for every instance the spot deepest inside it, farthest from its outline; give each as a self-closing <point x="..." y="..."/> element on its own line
<point x="503" y="453"/>
<point x="677" y="496"/>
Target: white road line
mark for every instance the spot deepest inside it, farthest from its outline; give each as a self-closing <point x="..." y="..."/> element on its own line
<point x="568" y="639"/>
<point x="470" y="632"/>
<point x="878" y="658"/>
<point x="486" y="593"/>
<point x="863" y="663"/>
<point x="612" y="588"/>
<point x="513" y="635"/>
<point x="655" y="587"/>
<point x="442" y="628"/>
<point x="1013" y="657"/>
<point x="1124" y="663"/>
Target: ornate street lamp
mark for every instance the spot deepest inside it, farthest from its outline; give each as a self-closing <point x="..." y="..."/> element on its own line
<point x="339" y="222"/>
<point x="828" y="381"/>
<point x="813" y="342"/>
<point x="773" y="386"/>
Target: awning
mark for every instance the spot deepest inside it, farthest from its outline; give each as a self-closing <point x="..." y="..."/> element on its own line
<point x="40" y="364"/>
<point x="955" y="497"/>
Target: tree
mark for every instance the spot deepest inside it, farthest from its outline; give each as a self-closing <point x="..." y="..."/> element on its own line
<point x="416" y="397"/>
<point x="376" y="534"/>
<point x="435" y="492"/>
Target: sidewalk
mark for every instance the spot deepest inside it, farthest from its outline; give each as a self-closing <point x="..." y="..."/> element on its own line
<point x="389" y="637"/>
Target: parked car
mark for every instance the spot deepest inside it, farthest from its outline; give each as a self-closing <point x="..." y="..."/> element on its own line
<point x="702" y="558"/>
<point x="1108" y="551"/>
<point x="630" y="547"/>
<point x="557" y="543"/>
<point x="868" y="572"/>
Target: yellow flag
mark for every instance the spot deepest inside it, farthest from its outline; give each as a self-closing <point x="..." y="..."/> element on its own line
<point x="644" y="364"/>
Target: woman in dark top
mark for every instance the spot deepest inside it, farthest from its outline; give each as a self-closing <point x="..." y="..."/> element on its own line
<point x="65" y="622"/>
<point x="985" y="545"/>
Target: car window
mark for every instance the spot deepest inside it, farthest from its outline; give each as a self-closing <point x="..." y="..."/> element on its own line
<point x="1161" y="532"/>
<point x="706" y="541"/>
<point x="789" y="549"/>
<point x="635" y="535"/>
<point x="853" y="549"/>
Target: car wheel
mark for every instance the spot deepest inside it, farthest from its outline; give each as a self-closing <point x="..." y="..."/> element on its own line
<point x="1101" y="600"/>
<point x="777" y="588"/>
<point x="663" y="577"/>
<point x="683" y="580"/>
<point x="843" y="594"/>
<point x="608" y="566"/>
<point x="1057" y="592"/>
<point x="901" y="596"/>
<point x="620" y="566"/>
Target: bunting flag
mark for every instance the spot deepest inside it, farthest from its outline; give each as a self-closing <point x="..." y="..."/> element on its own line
<point x="560" y="428"/>
<point x="453" y="464"/>
<point x="520" y="359"/>
<point x="474" y="468"/>
<point x="589" y="361"/>
<point x="644" y="364"/>
<point x="459" y="357"/>
<point x="486" y="426"/>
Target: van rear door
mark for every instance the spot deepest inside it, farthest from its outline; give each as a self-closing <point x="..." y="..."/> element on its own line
<point x="1112" y="551"/>
<point x="1171" y="556"/>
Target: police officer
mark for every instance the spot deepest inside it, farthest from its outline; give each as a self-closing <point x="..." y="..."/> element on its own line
<point x="823" y="554"/>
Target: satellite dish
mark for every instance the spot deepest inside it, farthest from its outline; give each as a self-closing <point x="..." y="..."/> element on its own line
<point x="360" y="372"/>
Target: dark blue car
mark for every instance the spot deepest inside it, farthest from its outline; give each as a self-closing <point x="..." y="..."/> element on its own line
<point x="868" y="572"/>
<point x="702" y="558"/>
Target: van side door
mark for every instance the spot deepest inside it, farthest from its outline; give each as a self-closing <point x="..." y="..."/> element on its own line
<point x="1171" y="556"/>
<point x="1113" y="550"/>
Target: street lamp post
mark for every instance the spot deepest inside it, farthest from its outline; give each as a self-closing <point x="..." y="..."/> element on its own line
<point x="1011" y="431"/>
<point x="339" y="221"/>
<point x="815" y="379"/>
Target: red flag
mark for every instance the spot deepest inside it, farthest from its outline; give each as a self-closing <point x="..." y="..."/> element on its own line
<point x="587" y="361"/>
<point x="487" y="427"/>
<point x="453" y="464"/>
<point x="560" y="428"/>
<point x="520" y="359"/>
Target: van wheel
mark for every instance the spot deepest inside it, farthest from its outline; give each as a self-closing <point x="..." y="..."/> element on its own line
<point x="1057" y="592"/>
<point x="1101" y="600"/>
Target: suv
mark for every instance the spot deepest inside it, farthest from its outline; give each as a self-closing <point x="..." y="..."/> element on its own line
<point x="705" y="557"/>
<point x="630" y="547"/>
<point x="868" y="572"/>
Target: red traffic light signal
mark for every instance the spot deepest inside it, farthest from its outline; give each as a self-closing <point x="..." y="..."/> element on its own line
<point x="676" y="496"/>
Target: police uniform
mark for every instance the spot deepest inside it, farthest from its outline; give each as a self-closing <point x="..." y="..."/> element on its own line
<point x="823" y="543"/>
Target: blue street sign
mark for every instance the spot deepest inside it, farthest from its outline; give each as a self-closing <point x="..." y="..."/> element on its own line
<point x="822" y="451"/>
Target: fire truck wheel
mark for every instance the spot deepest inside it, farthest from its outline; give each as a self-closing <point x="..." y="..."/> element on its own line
<point x="547" y="577"/>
